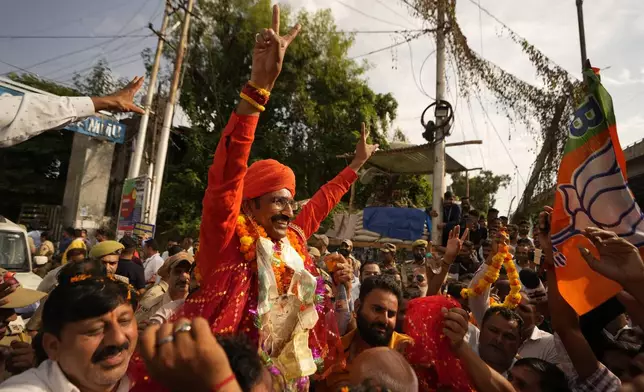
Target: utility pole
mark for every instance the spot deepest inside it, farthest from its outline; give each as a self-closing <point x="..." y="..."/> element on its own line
<point x="467" y="180"/>
<point x="582" y="32"/>
<point x="167" y="118"/>
<point x="438" y="181"/>
<point x="135" y="163"/>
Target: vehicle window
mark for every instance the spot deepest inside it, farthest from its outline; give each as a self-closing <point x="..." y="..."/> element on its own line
<point x="13" y="251"/>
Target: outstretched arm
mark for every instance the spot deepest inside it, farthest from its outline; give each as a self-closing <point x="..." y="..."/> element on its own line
<point x="321" y="204"/>
<point x="223" y="198"/>
<point x="24" y="117"/>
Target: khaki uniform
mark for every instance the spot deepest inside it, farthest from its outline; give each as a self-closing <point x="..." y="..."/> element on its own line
<point x="152" y="301"/>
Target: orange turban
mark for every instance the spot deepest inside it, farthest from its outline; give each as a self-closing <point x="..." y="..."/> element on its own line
<point x="267" y="176"/>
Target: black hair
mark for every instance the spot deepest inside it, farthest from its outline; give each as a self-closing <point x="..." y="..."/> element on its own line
<point x="83" y="297"/>
<point x="45" y="234"/>
<point x="524" y="221"/>
<point x="174" y="249"/>
<point x="524" y="242"/>
<point x="454" y="289"/>
<point x="128" y="243"/>
<point x="84" y="231"/>
<point x="492" y="210"/>
<point x="504" y="312"/>
<point x="70" y="231"/>
<point x="78" y="233"/>
<point x="92" y="267"/>
<point x="383" y="282"/>
<point x="39" y="350"/>
<point x="175" y="238"/>
<point x="552" y="379"/>
<point x="486" y="242"/>
<point x="107" y="233"/>
<point x="473" y="213"/>
<point x="367" y="263"/>
<point x="76" y="251"/>
<point x="152" y="244"/>
<point x="448" y="195"/>
<point x="244" y="360"/>
<point x="503" y="218"/>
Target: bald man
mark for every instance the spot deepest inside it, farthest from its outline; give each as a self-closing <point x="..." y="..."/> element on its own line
<point x="386" y="367"/>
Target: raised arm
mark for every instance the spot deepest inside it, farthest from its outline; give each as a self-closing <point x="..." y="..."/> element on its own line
<point x="23" y="117"/>
<point x="321" y="204"/>
<point x="454" y="245"/>
<point x="486" y="379"/>
<point x="223" y="198"/>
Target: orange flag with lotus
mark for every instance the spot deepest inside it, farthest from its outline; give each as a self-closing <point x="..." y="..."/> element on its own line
<point x="592" y="191"/>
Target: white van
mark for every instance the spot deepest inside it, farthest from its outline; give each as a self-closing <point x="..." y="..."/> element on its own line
<point x="15" y="255"/>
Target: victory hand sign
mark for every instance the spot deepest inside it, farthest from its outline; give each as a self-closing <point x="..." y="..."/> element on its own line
<point x="364" y="150"/>
<point x="269" y="51"/>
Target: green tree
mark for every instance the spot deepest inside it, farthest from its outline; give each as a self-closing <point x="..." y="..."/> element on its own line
<point x="313" y="116"/>
<point x="483" y="188"/>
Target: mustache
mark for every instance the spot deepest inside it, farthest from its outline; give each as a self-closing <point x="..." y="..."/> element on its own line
<point x="378" y="325"/>
<point x="106" y="352"/>
<point x="280" y="217"/>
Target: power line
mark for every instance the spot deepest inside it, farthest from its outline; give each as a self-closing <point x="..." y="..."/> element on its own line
<point x="386" y="31"/>
<point x="69" y="36"/>
<point x="382" y="3"/>
<point x="387" y="47"/>
<point x="369" y="16"/>
<point x="413" y="73"/>
<point x="500" y="138"/>
<point x="93" y="57"/>
<point x="83" y="49"/>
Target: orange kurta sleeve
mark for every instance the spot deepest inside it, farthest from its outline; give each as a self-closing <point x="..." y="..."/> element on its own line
<point x="321" y="204"/>
<point x="223" y="198"/>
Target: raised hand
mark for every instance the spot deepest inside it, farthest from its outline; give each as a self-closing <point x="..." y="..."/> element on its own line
<point x="455" y="326"/>
<point x="364" y="150"/>
<point x="454" y="244"/>
<point x="121" y="101"/>
<point x="268" y="55"/>
<point x="619" y="260"/>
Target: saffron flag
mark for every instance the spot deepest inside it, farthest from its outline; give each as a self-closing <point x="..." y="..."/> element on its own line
<point x="592" y="190"/>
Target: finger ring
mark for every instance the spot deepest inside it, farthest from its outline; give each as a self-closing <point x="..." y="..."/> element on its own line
<point x="257" y="38"/>
<point x="185" y="327"/>
<point x="164" y="340"/>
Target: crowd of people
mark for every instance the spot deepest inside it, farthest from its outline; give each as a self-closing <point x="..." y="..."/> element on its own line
<point x="264" y="305"/>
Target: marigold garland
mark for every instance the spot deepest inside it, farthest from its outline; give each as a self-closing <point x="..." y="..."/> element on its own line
<point x="249" y="232"/>
<point x="502" y="258"/>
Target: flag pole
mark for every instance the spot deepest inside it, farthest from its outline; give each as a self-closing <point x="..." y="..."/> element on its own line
<point x="582" y="32"/>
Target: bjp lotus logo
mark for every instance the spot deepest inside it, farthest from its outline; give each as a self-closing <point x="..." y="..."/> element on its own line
<point x="598" y="196"/>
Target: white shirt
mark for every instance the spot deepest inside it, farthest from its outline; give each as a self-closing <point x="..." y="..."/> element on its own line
<point x="48" y="377"/>
<point x="165" y="255"/>
<point x="23" y="117"/>
<point x="151" y="266"/>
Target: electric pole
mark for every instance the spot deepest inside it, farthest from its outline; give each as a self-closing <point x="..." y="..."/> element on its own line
<point x="438" y="181"/>
<point x="135" y="163"/>
<point x="167" y="118"/>
<point x="582" y="32"/>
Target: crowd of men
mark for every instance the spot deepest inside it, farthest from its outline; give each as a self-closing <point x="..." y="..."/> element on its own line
<point x="243" y="313"/>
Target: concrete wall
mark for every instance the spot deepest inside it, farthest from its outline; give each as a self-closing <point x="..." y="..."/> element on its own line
<point x="88" y="179"/>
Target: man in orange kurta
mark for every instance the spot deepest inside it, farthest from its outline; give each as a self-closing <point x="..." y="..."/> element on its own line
<point x="263" y="192"/>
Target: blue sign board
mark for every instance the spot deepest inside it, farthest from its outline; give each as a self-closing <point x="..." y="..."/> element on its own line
<point x="95" y="126"/>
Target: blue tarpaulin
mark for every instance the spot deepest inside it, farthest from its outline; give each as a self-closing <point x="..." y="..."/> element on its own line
<point x="401" y="223"/>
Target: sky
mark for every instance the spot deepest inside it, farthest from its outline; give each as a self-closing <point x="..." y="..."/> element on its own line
<point x="614" y="32"/>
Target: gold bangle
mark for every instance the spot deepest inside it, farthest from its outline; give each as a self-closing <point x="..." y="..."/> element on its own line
<point x="252" y="102"/>
<point x="260" y="90"/>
